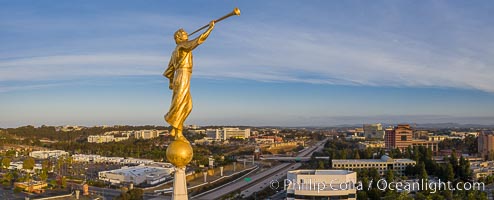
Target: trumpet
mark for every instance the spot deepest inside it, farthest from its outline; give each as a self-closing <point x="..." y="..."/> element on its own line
<point x="235" y="11"/>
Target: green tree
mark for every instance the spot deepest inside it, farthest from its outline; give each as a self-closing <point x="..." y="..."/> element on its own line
<point x="362" y="195"/>
<point x="6" y="162"/>
<point x="46" y="165"/>
<point x="436" y="196"/>
<point x="464" y="169"/>
<point x="63" y="182"/>
<point x="390" y="176"/>
<point x="450" y="174"/>
<point x="134" y="194"/>
<point x="7" y="179"/>
<point x="17" y="190"/>
<point x="343" y="154"/>
<point x="424" y="176"/>
<point x="374" y="174"/>
<point x="391" y="195"/>
<point x="28" y="163"/>
<point x="374" y="193"/>
<point x="423" y="172"/>
<point x="420" y="196"/>
<point x="44" y="175"/>
<point x="365" y="183"/>
<point x="416" y="154"/>
<point x="54" y="183"/>
<point x="410" y="170"/>
<point x="320" y="164"/>
<point x="454" y="161"/>
<point x="447" y="194"/>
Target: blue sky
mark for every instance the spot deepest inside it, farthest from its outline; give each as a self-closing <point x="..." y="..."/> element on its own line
<point x="287" y="63"/>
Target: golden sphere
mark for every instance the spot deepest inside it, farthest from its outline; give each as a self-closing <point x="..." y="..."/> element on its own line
<point x="179" y="153"/>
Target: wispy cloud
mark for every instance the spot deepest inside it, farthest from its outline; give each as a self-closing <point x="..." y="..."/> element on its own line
<point x="27" y="87"/>
<point x="77" y="49"/>
<point x="265" y="51"/>
<point x="278" y="54"/>
<point x="76" y="66"/>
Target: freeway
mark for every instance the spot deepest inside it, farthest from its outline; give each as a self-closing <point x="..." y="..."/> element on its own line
<point x="276" y="178"/>
<point x="261" y="180"/>
<point x="240" y="183"/>
<point x="267" y="181"/>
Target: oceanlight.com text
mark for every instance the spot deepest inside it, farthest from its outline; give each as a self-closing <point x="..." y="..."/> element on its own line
<point x="382" y="184"/>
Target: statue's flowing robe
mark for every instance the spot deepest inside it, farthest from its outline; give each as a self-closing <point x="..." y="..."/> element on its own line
<point x="179" y="71"/>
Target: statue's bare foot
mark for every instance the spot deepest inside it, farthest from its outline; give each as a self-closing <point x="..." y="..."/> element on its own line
<point x="181" y="137"/>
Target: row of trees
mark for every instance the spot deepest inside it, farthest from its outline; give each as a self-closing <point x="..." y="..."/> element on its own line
<point x="150" y="149"/>
<point x="453" y="169"/>
<point x="28" y="164"/>
<point x="51" y="133"/>
<point x="134" y="194"/>
<point x="468" y="145"/>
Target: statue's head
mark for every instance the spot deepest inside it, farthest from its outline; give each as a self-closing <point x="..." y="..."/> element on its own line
<point x="181" y="36"/>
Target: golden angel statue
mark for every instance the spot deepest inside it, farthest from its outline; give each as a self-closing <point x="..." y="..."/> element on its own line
<point x="179" y="73"/>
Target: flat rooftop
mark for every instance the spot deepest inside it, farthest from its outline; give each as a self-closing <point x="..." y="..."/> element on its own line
<point x="358" y="160"/>
<point x="383" y="160"/>
<point x="321" y="172"/>
<point x="372" y="161"/>
<point x="138" y="170"/>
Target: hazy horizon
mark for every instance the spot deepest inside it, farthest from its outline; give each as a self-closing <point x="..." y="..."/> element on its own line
<point x="320" y="122"/>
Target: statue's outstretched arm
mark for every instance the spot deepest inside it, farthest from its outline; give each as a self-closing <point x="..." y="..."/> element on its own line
<point x="192" y="44"/>
<point x="205" y="35"/>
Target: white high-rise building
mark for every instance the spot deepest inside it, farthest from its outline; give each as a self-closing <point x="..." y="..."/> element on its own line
<point x="100" y="138"/>
<point x="374" y="131"/>
<point x="48" y="154"/>
<point x="227" y="133"/>
<point x="146" y="134"/>
<point x="382" y="165"/>
<point x="214" y="133"/>
<point x="235" y="133"/>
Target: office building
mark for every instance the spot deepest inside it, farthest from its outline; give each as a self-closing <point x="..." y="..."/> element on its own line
<point x="117" y="136"/>
<point x="382" y="165"/>
<point x="465" y="134"/>
<point x="116" y="160"/>
<point x="146" y="134"/>
<point x="421" y="134"/>
<point x="266" y="139"/>
<point x="215" y="134"/>
<point x="137" y="175"/>
<point x="486" y="144"/>
<point x="401" y="137"/>
<point x="371" y="144"/>
<point x="227" y="133"/>
<point x="374" y="131"/>
<point x="100" y="138"/>
<point x="48" y="154"/>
